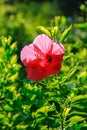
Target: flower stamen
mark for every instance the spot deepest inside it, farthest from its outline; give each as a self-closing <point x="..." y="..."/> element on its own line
<point x="49" y="58"/>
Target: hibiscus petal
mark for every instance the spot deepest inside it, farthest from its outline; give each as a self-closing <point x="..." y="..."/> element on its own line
<point x="35" y="71"/>
<point x="57" y="49"/>
<point x="56" y="68"/>
<point x="56" y="59"/>
<point x="28" y="54"/>
<point x="51" y="69"/>
<point x="43" y="42"/>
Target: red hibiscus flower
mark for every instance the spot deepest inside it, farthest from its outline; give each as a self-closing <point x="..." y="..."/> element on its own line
<point x="42" y="58"/>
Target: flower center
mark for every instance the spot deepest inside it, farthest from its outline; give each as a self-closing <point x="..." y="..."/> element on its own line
<point x="49" y="58"/>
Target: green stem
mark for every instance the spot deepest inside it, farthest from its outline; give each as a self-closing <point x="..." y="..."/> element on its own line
<point x="61" y="121"/>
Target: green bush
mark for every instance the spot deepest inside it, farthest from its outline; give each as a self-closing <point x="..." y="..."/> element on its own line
<point x="57" y="102"/>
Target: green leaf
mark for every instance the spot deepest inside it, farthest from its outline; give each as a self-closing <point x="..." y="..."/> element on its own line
<point x="13" y="48"/>
<point x="67" y="57"/>
<point x="66" y="111"/>
<point x="79" y="107"/>
<point x="65" y="33"/>
<point x="13" y="59"/>
<point x="70" y="73"/>
<point x="75" y="119"/>
<point x="13" y="77"/>
<point x="44" y="30"/>
<point x="83" y="7"/>
<point x="81" y="25"/>
<point x="84" y="114"/>
<point x="42" y="111"/>
<point x="80" y="98"/>
<point x="22" y="127"/>
<point x="82" y="76"/>
<point x="8" y="108"/>
<point x="54" y="33"/>
<point x="2" y="116"/>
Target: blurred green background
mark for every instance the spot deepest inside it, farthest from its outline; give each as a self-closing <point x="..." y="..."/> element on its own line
<point x="20" y="18"/>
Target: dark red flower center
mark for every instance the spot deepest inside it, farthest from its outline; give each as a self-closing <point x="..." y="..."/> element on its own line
<point x="49" y="58"/>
